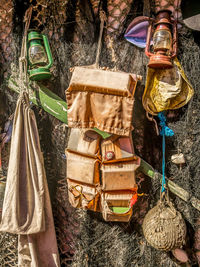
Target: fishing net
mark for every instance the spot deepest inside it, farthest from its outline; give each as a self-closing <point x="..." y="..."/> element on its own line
<point x="8" y="252"/>
<point x="84" y="239"/>
<point x="6" y="38"/>
<point x="117" y="13"/>
<point x="51" y="13"/>
<point x="6" y="18"/>
<point x="8" y="242"/>
<point x="187" y="127"/>
<point x="66" y="224"/>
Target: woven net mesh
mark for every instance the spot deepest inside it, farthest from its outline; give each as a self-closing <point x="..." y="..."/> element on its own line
<point x="117" y="13"/>
<point x="84" y="239"/>
<point x="6" y="37"/>
<point x="8" y="252"/>
<point x="6" y="18"/>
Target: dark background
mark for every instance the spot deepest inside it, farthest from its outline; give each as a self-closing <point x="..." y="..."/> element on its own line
<point x="84" y="239"/>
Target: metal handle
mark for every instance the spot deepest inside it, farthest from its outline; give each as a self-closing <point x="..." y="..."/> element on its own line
<point x="147" y="52"/>
<point x="48" y="50"/>
<point x="175" y="39"/>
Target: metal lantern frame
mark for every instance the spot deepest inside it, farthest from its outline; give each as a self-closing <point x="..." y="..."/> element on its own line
<point x="163" y="21"/>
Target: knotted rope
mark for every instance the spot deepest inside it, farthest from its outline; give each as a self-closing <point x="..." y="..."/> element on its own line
<point x="165" y="131"/>
<point x="23" y="79"/>
<point x="103" y="19"/>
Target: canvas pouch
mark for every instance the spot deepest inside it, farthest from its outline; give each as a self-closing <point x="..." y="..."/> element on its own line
<point x="82" y="168"/>
<point x="119" y="176"/>
<point x="118" y="172"/>
<point x="101" y="99"/>
<point x="82" y="195"/>
<point x="84" y="141"/>
<point x="115" y="206"/>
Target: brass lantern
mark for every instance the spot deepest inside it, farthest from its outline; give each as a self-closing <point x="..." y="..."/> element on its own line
<point x="163" y="32"/>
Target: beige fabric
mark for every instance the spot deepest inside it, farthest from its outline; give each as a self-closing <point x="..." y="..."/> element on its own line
<point x="84" y="141"/>
<point x="40" y="250"/>
<point x="23" y="206"/>
<point x="166" y="89"/>
<point x="119" y="176"/>
<point x="82" y="168"/>
<point x="101" y="99"/>
<point x="27" y="208"/>
<point x="193" y="22"/>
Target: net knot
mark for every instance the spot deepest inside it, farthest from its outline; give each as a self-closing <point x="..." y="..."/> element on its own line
<point x="165" y="130"/>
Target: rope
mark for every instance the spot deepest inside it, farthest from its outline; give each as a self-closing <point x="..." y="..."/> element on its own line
<point x="103" y="19"/>
<point x="165" y="131"/>
<point x="152" y="119"/>
<point x="23" y="56"/>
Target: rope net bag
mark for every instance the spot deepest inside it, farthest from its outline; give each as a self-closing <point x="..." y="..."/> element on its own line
<point x="163" y="226"/>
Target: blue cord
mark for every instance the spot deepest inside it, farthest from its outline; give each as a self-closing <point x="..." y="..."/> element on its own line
<point x="165" y="131"/>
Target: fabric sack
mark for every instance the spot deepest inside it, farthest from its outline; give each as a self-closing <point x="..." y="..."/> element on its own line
<point x="101" y="99"/>
<point x="40" y="249"/>
<point x="23" y="206"/>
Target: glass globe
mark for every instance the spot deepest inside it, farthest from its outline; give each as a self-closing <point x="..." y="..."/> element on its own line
<point x="162" y="40"/>
<point x="37" y="55"/>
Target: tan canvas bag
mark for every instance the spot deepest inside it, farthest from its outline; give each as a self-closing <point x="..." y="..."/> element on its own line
<point x="87" y="158"/>
<point x="101" y="99"/>
<point x="23" y="206"/>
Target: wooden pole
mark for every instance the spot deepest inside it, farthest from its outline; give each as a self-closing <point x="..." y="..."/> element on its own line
<point x="47" y="100"/>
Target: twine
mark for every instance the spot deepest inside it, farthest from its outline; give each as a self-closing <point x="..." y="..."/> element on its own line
<point x="103" y="19"/>
<point x="152" y="119"/>
<point x="165" y="131"/>
<point x="23" y="79"/>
